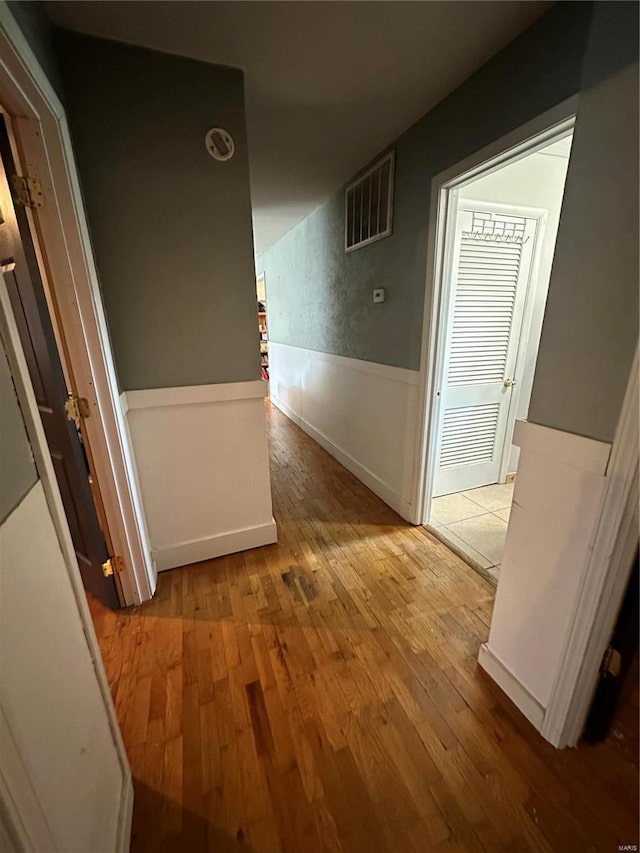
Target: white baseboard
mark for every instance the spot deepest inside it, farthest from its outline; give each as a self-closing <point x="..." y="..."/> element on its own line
<point x="377" y="486"/>
<point x="507" y="681"/>
<point x="123" y="841"/>
<point x="293" y="416"/>
<point x="219" y="545"/>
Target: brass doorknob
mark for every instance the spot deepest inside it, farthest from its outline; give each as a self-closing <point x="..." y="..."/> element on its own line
<point x="509" y="383"/>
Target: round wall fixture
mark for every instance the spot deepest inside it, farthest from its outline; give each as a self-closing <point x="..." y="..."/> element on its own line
<point x="219" y="143"/>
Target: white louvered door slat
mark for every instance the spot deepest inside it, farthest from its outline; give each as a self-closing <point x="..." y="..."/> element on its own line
<point x="490" y="271"/>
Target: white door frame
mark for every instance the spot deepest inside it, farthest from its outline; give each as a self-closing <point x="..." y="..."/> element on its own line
<point x="40" y="126"/>
<point x="531" y="137"/>
<point x="458" y="202"/>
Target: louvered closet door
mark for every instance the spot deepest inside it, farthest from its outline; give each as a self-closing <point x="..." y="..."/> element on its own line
<point x="490" y="270"/>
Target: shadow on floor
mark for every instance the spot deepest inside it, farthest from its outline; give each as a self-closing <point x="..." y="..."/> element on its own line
<point x="163" y="826"/>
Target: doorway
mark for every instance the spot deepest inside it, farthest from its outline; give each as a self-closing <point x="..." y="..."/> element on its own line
<point x="613" y="714"/>
<point x="61" y="413"/>
<point x="261" y="292"/>
<point x="498" y="240"/>
<point x="43" y="143"/>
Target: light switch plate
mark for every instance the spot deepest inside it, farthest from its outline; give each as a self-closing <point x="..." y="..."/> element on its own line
<point x="379" y="294"/>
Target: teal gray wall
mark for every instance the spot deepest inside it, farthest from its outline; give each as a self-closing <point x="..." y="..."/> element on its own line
<point x="170" y="226"/>
<point x="320" y="298"/>
<point x="36" y="28"/>
<point x="17" y="468"/>
<point x="591" y="322"/>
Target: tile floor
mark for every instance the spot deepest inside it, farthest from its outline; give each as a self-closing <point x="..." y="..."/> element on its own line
<point x="474" y="523"/>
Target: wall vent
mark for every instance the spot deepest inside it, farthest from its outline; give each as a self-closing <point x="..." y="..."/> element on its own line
<point x="369" y="205"/>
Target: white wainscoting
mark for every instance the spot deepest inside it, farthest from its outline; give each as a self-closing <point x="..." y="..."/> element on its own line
<point x="64" y="781"/>
<point x="203" y="466"/>
<point x="556" y="507"/>
<point x="364" y="414"/>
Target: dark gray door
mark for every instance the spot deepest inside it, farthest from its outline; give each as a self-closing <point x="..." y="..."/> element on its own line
<point x="31" y="312"/>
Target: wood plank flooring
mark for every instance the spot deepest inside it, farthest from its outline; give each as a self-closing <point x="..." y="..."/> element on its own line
<point x="322" y="694"/>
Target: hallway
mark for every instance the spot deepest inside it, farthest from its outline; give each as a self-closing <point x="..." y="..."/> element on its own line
<point x="323" y="694"/>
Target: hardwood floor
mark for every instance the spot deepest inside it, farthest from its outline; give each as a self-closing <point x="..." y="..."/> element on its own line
<point x="322" y="694"/>
<point x="624" y="734"/>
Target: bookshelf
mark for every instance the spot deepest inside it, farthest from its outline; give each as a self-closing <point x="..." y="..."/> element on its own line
<point x="264" y="340"/>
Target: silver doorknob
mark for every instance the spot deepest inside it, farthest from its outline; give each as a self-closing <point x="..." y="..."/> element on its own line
<point x="509" y="383"/>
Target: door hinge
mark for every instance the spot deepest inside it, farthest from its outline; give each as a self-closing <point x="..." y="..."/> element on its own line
<point x="26" y="191"/>
<point x="77" y="408"/>
<point x="612" y="662"/>
<point x="112" y="565"/>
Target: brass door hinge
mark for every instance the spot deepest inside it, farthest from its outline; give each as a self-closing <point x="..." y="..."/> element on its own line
<point x="612" y="662"/>
<point x="77" y="408"/>
<point x="113" y="564"/>
<point x="26" y="191"/>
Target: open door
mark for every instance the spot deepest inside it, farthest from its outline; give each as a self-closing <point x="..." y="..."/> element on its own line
<point x="492" y="258"/>
<point x="28" y="300"/>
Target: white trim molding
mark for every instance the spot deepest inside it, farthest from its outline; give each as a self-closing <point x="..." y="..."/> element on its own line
<point x="362" y="413"/>
<point x="203" y="467"/>
<point x="191" y="395"/>
<point x="44" y="147"/>
<point x="519" y="695"/>
<point x="210" y="547"/>
<point x="125" y="817"/>
<point x="578" y="451"/>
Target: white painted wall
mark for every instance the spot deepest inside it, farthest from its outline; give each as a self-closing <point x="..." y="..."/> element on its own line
<point x="535" y="181"/>
<point x="203" y="467"/>
<point x="364" y="414"/>
<point x="60" y="763"/>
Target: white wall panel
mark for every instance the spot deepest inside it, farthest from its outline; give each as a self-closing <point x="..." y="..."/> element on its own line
<point x="556" y="507"/>
<point x="203" y="467"/>
<point x="59" y="754"/>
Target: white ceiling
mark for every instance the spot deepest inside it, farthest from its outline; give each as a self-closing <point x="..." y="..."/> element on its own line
<point x="328" y="84"/>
